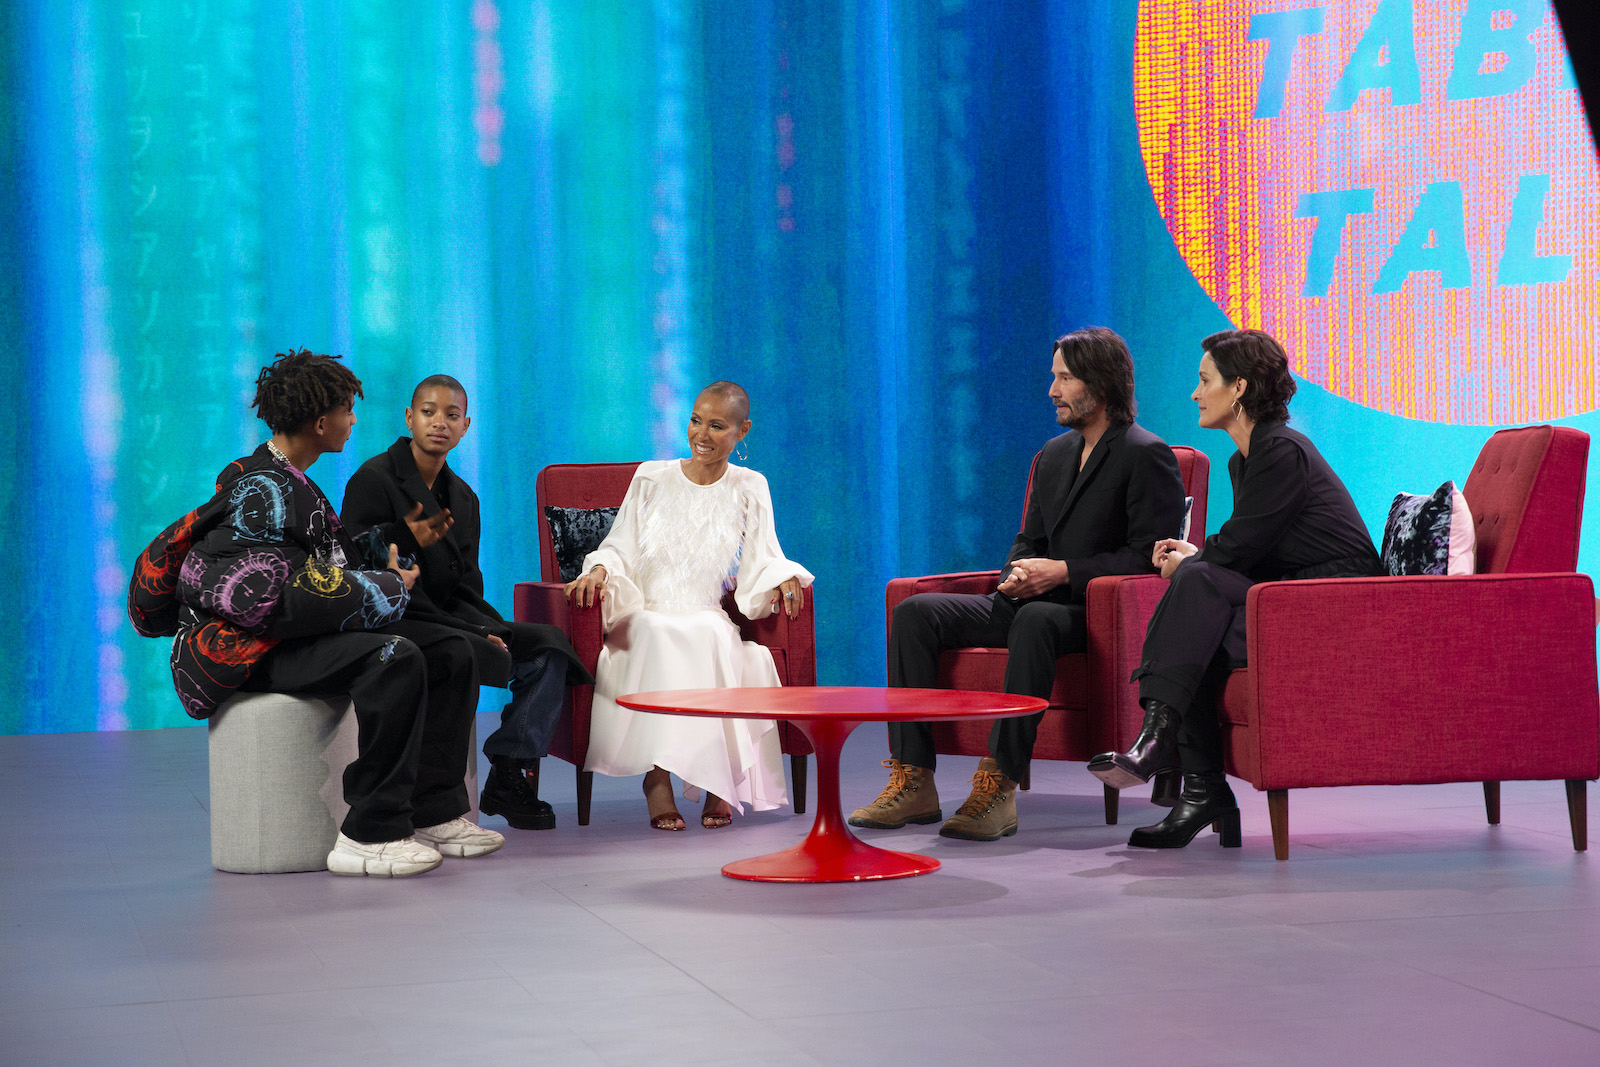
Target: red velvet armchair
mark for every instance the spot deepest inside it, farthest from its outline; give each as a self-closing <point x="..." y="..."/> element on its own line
<point x="1406" y="681"/>
<point x="601" y="485"/>
<point x="1399" y="681"/>
<point x="1093" y="708"/>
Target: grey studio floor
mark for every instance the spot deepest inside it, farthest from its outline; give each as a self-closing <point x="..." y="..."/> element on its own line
<point x="1402" y="930"/>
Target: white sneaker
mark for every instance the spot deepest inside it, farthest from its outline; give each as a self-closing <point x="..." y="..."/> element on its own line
<point x="460" y="838"/>
<point x="386" y="859"/>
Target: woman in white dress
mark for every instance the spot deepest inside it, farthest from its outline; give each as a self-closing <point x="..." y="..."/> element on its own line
<point x="687" y="531"/>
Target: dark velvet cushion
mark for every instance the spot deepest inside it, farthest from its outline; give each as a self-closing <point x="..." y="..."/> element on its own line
<point x="577" y="532"/>
<point x="1416" y="539"/>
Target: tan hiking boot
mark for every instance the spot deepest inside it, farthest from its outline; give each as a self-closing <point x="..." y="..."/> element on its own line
<point x="909" y="797"/>
<point x="990" y="813"/>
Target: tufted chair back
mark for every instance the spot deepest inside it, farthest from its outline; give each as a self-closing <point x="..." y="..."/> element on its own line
<point x="576" y="485"/>
<point x="1526" y="496"/>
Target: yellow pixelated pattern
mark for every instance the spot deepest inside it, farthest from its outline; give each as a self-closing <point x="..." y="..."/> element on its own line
<point x="1228" y="184"/>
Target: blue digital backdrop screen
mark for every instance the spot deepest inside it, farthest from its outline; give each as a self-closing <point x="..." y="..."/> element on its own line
<point x="875" y="216"/>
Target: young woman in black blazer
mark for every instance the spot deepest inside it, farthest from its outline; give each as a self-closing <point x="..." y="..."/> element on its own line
<point x="1292" y="518"/>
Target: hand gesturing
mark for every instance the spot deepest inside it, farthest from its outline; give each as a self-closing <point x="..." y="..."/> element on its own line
<point x="428" y="531"/>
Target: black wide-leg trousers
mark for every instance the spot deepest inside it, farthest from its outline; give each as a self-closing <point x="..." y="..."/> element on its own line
<point x="1035" y="633"/>
<point x="1195" y="638"/>
<point x="415" y="690"/>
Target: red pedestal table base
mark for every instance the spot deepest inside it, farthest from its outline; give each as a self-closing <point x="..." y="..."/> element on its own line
<point x="830" y="852"/>
<point x="826" y="715"/>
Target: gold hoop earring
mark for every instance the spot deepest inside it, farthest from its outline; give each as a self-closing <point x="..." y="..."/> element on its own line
<point x="1236" y="412"/>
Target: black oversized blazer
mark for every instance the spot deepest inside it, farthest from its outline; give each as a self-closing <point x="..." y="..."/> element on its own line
<point x="450" y="588"/>
<point x="1106" y="518"/>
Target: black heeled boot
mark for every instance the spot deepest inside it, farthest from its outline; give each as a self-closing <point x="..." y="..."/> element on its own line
<point x="1168" y="787"/>
<point x="1206" y="799"/>
<point x="512" y="791"/>
<point x="1154" y="750"/>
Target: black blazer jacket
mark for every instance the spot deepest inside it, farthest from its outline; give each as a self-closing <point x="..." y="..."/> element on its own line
<point x="450" y="588"/>
<point x="1106" y="518"/>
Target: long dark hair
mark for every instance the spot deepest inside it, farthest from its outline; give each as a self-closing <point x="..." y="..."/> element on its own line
<point x="1260" y="360"/>
<point x="1099" y="359"/>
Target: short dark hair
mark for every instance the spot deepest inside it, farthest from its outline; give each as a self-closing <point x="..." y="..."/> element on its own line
<point x="732" y="395"/>
<point x="300" y="386"/>
<point x="1260" y="360"/>
<point x="1099" y="359"/>
<point x="440" y="381"/>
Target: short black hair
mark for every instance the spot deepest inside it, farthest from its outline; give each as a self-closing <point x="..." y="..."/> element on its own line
<point x="734" y="396"/>
<point x="1099" y="359"/>
<point x="1260" y="360"/>
<point x="301" y="386"/>
<point x="440" y="381"/>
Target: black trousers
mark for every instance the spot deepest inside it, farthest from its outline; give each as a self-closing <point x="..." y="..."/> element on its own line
<point x="538" y="687"/>
<point x="1036" y="633"/>
<point x="1195" y="638"/>
<point x="415" y="690"/>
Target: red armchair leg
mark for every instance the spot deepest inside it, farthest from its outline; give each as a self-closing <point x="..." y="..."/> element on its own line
<point x="585" y="795"/>
<point x="1578" y="813"/>
<point x="1111" y="805"/>
<point x="1491" y="802"/>
<point x="797" y="772"/>
<point x="1027" y="778"/>
<point x="1278" y="813"/>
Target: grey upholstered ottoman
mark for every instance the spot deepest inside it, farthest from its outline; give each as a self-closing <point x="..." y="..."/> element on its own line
<point x="277" y="780"/>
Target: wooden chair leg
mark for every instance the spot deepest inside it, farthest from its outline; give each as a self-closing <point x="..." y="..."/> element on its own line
<point x="585" y="795"/>
<point x="1027" y="778"/>
<point x="1278" y="812"/>
<point x="797" y="772"/>
<point x="1111" y="804"/>
<point x="1491" y="802"/>
<point x="1578" y="813"/>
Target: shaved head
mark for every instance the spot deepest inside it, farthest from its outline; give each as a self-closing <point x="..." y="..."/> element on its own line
<point x="440" y="381"/>
<point x="734" y="398"/>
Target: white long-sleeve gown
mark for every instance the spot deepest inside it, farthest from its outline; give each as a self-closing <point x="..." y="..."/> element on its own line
<point x="669" y="558"/>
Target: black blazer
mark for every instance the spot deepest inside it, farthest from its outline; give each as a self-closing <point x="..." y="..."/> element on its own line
<point x="1292" y="516"/>
<point x="449" y="589"/>
<point x="1106" y="518"/>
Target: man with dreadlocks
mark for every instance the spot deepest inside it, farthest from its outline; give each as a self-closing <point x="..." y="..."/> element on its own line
<point x="277" y="563"/>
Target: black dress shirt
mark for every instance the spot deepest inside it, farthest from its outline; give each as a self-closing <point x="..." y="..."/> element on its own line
<point x="1292" y="516"/>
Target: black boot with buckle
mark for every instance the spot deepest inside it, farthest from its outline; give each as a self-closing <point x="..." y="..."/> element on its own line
<point x="512" y="792"/>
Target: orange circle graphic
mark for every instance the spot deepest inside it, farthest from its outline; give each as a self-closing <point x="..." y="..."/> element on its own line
<point x="1404" y="192"/>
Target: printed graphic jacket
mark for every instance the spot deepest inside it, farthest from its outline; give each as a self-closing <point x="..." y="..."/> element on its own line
<point x="265" y="559"/>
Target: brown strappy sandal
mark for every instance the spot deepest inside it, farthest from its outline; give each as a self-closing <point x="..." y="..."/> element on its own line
<point x="667" y="819"/>
<point x="716" y="820"/>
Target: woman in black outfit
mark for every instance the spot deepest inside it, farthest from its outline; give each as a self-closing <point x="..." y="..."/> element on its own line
<point x="1292" y="518"/>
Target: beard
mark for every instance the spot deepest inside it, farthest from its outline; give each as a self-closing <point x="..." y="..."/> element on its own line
<point x="1076" y="414"/>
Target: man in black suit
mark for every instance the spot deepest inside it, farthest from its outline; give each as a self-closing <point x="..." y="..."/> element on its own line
<point x="1102" y="494"/>
<point x="410" y="479"/>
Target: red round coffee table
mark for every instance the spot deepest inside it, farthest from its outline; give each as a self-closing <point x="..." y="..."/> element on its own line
<point x="826" y="715"/>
